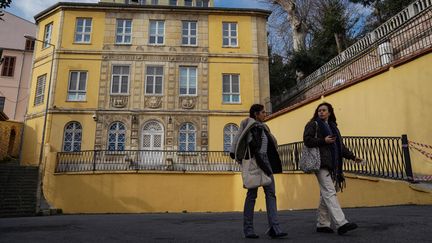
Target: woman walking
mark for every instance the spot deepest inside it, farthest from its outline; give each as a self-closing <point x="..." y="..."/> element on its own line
<point x="253" y="133"/>
<point x="322" y="132"/>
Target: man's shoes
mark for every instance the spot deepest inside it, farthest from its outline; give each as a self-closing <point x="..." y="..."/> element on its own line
<point x="346" y="227"/>
<point x="270" y="232"/>
<point x="324" y="230"/>
<point x="251" y="236"/>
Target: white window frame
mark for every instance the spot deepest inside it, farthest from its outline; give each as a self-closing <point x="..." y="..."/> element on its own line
<point x="188" y="83"/>
<point x="187" y="133"/>
<point x="230" y="37"/>
<point x="200" y="3"/>
<point x="231" y="93"/>
<point x="77" y="94"/>
<point x="77" y="127"/>
<point x="47" y="35"/>
<point x="116" y="133"/>
<point x="40" y="90"/>
<point x="86" y="23"/>
<point x="154" y="76"/>
<point x="156" y="35"/>
<point x="120" y="79"/>
<point x="229" y="133"/>
<point x="123" y="34"/>
<point x="189" y="36"/>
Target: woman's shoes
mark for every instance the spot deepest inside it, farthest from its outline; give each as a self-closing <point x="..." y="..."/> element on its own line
<point x="251" y="236"/>
<point x="324" y="230"/>
<point x="271" y="232"/>
<point x="346" y="227"/>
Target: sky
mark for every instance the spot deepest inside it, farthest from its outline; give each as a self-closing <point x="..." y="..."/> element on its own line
<point x="28" y="8"/>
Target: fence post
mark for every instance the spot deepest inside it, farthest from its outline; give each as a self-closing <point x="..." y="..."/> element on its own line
<point x="407" y="158"/>
<point x="94" y="160"/>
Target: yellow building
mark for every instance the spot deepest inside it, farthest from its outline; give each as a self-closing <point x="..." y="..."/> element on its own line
<point x="137" y="75"/>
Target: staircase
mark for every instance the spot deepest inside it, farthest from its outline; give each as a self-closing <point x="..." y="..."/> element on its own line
<point x="18" y="186"/>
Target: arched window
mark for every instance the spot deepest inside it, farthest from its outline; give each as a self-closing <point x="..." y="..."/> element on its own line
<point x="72" y="137"/>
<point x="116" y="136"/>
<point x="230" y="130"/>
<point x="187" y="137"/>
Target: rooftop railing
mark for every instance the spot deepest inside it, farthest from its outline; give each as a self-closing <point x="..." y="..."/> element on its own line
<point x="405" y="34"/>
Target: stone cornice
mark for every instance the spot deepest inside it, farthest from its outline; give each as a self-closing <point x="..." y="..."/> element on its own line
<point x="148" y="8"/>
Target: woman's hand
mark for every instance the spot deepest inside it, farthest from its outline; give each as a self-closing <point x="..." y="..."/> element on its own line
<point x="360" y="161"/>
<point x="330" y="139"/>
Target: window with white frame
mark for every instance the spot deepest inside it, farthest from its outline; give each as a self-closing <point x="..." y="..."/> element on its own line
<point x="231" y="88"/>
<point x="230" y="131"/>
<point x="77" y="86"/>
<point x="229" y="31"/>
<point x="120" y="79"/>
<point x="202" y="3"/>
<point x="187" y="137"/>
<point x="47" y="35"/>
<point x="83" y="30"/>
<point x="173" y="2"/>
<point x="116" y="136"/>
<point x="189" y="33"/>
<point x="72" y="137"/>
<point x="188" y="80"/>
<point x="40" y="90"/>
<point x="154" y="80"/>
<point x="188" y="2"/>
<point x="157" y="31"/>
<point x="124" y="31"/>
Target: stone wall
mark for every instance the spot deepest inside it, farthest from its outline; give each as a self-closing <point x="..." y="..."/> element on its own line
<point x="10" y="138"/>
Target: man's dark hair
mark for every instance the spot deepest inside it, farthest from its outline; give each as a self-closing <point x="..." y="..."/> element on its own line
<point x="255" y="108"/>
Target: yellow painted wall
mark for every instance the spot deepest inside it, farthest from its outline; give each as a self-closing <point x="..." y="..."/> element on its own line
<point x="58" y="123"/>
<point x="31" y="141"/>
<point x="244" y="29"/>
<point x="216" y="128"/>
<point x="40" y="68"/>
<point x="219" y="66"/>
<point x="52" y="18"/>
<point x="219" y="192"/>
<point x="97" y="33"/>
<point x="393" y="103"/>
<point x="89" y="63"/>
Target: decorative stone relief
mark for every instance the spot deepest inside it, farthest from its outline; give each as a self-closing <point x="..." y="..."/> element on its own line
<point x="188" y="102"/>
<point x="153" y="102"/>
<point x="119" y="101"/>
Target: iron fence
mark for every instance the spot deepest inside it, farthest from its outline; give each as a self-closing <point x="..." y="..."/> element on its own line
<point x="386" y="157"/>
<point x="135" y="160"/>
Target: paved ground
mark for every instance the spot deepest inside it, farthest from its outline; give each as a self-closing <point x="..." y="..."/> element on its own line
<point x="381" y="224"/>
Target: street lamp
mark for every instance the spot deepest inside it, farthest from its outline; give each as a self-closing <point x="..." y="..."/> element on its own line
<point x="41" y="153"/>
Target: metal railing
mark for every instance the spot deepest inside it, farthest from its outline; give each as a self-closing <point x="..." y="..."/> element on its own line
<point x="386" y="157"/>
<point x="136" y="160"/>
<point x="405" y="34"/>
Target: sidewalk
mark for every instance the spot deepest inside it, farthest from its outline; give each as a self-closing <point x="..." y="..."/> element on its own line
<point x="381" y="224"/>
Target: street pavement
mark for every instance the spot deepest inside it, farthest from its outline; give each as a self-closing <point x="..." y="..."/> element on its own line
<point x="380" y="224"/>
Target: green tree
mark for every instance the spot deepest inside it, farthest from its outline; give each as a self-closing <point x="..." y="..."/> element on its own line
<point x="383" y="9"/>
<point x="4" y="4"/>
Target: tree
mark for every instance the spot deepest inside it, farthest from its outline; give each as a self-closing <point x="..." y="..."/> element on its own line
<point x="383" y="9"/>
<point x="4" y="4"/>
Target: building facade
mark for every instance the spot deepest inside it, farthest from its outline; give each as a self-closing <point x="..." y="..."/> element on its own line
<point x="15" y="69"/>
<point x="128" y="76"/>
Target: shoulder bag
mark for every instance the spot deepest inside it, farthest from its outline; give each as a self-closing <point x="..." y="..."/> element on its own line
<point x="310" y="160"/>
<point x="252" y="174"/>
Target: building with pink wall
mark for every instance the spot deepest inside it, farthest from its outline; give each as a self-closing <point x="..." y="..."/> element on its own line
<point x="15" y="70"/>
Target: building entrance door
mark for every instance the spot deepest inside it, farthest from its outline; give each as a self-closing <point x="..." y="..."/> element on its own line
<point x="152" y="146"/>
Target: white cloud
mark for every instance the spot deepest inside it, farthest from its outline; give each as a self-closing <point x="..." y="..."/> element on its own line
<point x="29" y="8"/>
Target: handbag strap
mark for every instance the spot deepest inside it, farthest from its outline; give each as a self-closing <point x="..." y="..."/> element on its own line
<point x="316" y="129"/>
<point x="247" y="151"/>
